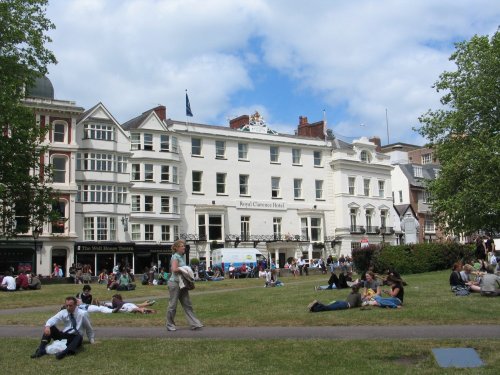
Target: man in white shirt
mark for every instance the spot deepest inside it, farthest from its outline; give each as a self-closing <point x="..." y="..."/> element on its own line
<point x="75" y="321"/>
<point x="8" y="283"/>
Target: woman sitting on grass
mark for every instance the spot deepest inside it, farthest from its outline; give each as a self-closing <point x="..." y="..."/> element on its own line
<point x="457" y="283"/>
<point x="396" y="294"/>
<point x="371" y="287"/>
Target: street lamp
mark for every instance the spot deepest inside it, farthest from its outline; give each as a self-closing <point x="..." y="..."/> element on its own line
<point x="382" y="232"/>
<point x="36" y="233"/>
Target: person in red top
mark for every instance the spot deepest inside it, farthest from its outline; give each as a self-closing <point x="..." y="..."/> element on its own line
<point x="22" y="282"/>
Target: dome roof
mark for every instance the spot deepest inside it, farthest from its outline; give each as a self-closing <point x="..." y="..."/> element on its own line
<point x="42" y="88"/>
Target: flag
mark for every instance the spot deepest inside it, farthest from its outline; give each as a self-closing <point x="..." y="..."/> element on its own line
<point x="188" y="107"/>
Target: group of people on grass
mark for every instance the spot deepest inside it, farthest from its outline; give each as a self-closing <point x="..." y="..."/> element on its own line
<point x="25" y="280"/>
<point x="478" y="278"/>
<point x="74" y="315"/>
<point x="364" y="293"/>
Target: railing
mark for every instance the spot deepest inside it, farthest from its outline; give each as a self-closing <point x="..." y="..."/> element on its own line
<point x="357" y="229"/>
<point x="372" y="230"/>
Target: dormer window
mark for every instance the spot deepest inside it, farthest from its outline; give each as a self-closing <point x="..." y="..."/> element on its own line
<point x="365" y="156"/>
<point x="417" y="171"/>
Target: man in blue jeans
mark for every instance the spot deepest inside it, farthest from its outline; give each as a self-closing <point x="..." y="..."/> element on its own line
<point x="352" y="300"/>
<point x="75" y="321"/>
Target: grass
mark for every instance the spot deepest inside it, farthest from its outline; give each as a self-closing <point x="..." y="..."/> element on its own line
<point x="245" y="302"/>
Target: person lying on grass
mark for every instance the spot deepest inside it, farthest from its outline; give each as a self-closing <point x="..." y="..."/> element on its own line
<point x="396" y="294"/>
<point x="353" y="300"/>
<point x="118" y="305"/>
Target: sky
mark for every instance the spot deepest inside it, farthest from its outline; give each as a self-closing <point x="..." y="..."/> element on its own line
<point x="366" y="66"/>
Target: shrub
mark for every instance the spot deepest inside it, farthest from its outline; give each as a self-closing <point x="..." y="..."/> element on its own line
<point x="419" y="258"/>
<point x="362" y="258"/>
<point x="195" y="262"/>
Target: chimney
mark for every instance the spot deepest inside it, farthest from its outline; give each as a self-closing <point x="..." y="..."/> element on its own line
<point x="238" y="122"/>
<point x="303" y="121"/>
<point x="161" y="112"/>
<point x="315" y="130"/>
<point x="376" y="140"/>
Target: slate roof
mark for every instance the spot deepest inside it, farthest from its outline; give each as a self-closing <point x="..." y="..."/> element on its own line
<point x="428" y="173"/>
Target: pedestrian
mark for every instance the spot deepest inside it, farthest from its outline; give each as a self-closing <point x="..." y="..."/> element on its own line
<point x="177" y="262"/>
<point x="75" y="321"/>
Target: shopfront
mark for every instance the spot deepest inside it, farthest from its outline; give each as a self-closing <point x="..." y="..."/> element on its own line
<point x="18" y="255"/>
<point x="146" y="255"/>
<point x="104" y="256"/>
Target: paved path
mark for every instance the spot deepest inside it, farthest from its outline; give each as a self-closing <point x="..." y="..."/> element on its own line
<point x="345" y="333"/>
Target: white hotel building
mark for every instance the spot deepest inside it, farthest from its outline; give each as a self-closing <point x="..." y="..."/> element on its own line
<point x="129" y="190"/>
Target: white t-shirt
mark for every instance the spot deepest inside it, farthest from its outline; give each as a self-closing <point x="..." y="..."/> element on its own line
<point x="10" y="282"/>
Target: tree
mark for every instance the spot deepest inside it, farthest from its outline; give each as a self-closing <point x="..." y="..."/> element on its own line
<point x="465" y="136"/>
<point x="25" y="194"/>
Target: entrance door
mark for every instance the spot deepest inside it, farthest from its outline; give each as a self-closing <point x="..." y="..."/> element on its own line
<point x="59" y="256"/>
<point x="282" y="259"/>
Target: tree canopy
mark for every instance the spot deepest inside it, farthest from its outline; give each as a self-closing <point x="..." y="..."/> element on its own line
<point x="465" y="136"/>
<point x="25" y="193"/>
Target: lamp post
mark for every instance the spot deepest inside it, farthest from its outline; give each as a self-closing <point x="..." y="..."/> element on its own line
<point x="36" y="234"/>
<point x="382" y="232"/>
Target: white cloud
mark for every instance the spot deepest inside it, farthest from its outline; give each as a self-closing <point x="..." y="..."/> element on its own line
<point x="359" y="57"/>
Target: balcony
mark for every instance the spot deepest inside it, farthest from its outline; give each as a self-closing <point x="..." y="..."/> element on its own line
<point x="372" y="230"/>
<point x="357" y="229"/>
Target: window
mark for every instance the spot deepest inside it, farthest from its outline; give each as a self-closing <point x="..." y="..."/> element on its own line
<point x="212" y="232"/>
<point x="59" y="211"/>
<point x="417" y="171"/>
<point x="121" y="164"/>
<point x="429" y="225"/>
<point x="148" y="172"/>
<point x="165" y="233"/>
<point x="368" y="216"/>
<point x="175" y="205"/>
<point x="352" y="181"/>
<point x="365" y="156"/>
<point x="296" y="156"/>
<point x="383" y="218"/>
<point x="135" y="141"/>
<point x="316" y="229"/>
<point x="244" y="184"/>
<point x="165" y="204"/>
<point x="277" y="228"/>
<point x="164" y="142"/>
<point x="165" y="173"/>
<point x="149" y="232"/>
<point x="401" y="196"/>
<point x="99" y="194"/>
<point x="175" y="178"/>
<point x="136" y="172"/>
<point x="176" y="232"/>
<point x="136" y="203"/>
<point x="242" y="151"/>
<point x="59" y="169"/>
<point x="102" y="228"/>
<point x="366" y="187"/>
<point x="148" y="203"/>
<point x="148" y="142"/>
<point x="426" y="196"/>
<point x="220" y="149"/>
<point x="319" y="189"/>
<point x="88" y="228"/>
<point x="197" y="176"/>
<point x="353" y="213"/>
<point x="427" y="158"/>
<point x="112" y="229"/>
<point x="381" y="188"/>
<point x="168" y="143"/>
<point x="135" y="232"/>
<point x="245" y="228"/>
<point x="304" y="228"/>
<point x="196" y="146"/>
<point x="221" y="183"/>
<point x="274" y="152"/>
<point x="99" y="132"/>
<point x="318" y="156"/>
<point x="297" y="188"/>
<point x="275" y="187"/>
<point x="59" y="133"/>
<point x="121" y="195"/>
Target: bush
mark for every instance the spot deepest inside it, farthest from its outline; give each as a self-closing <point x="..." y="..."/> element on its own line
<point x="412" y="258"/>
<point x="195" y="262"/>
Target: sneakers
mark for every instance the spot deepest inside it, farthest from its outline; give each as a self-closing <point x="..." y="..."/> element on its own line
<point x="61" y="355"/>
<point x="311" y="305"/>
<point x="365" y="303"/>
<point x="194" y="328"/>
<point x="38" y="353"/>
<point x="171" y="329"/>
<point x="151" y="302"/>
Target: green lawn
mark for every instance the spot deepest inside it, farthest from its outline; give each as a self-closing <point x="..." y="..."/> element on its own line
<point x="245" y="302"/>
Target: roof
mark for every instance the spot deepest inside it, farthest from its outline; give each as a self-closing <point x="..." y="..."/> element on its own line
<point x="428" y="173"/>
<point x="42" y="88"/>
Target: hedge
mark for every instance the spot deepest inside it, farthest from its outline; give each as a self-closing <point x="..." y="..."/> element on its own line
<point x="411" y="258"/>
